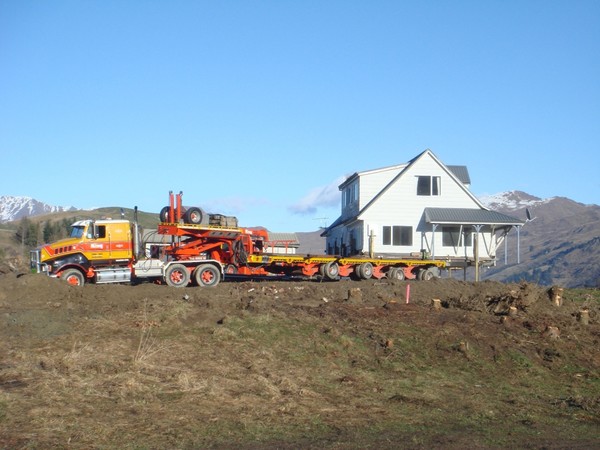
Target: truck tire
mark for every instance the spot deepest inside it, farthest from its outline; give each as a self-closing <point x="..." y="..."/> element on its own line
<point x="435" y="271"/>
<point x="230" y="269"/>
<point x="164" y="214"/>
<point x="74" y="277"/>
<point x="366" y="271"/>
<point x="207" y="275"/>
<point x="177" y="275"/>
<point x="358" y="271"/>
<point x="193" y="215"/>
<point x="396" y="273"/>
<point x="331" y="270"/>
<point x="428" y="274"/>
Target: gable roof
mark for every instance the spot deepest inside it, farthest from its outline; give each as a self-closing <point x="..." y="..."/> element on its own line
<point x="468" y="216"/>
<point x="411" y="163"/>
<point x="356" y="175"/>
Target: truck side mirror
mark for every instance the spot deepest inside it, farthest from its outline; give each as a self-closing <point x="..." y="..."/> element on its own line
<point x="92" y="231"/>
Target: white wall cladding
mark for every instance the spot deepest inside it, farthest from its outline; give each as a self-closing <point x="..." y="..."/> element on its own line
<point x="371" y="183"/>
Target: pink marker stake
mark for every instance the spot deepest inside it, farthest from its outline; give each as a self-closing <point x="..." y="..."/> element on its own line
<point x="407" y="293"/>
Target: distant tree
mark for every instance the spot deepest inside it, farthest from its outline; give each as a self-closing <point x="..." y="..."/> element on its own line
<point x="48" y="233"/>
<point x="52" y="232"/>
<point x="27" y="233"/>
<point x="65" y="229"/>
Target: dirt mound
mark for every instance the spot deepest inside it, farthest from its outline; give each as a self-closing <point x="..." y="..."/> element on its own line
<point x="287" y="364"/>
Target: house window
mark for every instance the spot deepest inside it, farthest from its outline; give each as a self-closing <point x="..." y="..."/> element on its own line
<point x="397" y="235"/>
<point x="350" y="194"/>
<point x="451" y="237"/>
<point x="427" y="185"/>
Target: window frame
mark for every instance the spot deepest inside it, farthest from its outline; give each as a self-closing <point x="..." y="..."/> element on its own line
<point x="449" y="233"/>
<point x="429" y="185"/>
<point x="397" y="235"/>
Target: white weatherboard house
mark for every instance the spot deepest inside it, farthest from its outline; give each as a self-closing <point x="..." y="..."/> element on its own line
<point x="422" y="208"/>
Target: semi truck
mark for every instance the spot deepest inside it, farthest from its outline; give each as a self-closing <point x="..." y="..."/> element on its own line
<point x="202" y="250"/>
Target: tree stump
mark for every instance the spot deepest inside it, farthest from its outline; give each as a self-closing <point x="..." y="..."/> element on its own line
<point x="354" y="295"/>
<point x="584" y="317"/>
<point x="552" y="332"/>
<point x="436" y="304"/>
<point x="556" y="295"/>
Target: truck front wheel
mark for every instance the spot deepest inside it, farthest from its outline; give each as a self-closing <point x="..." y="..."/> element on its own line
<point x="177" y="275"/>
<point x="73" y="276"/>
<point x="207" y="275"/>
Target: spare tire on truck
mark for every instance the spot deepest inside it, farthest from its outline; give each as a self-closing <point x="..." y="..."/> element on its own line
<point x="164" y="214"/>
<point x="195" y="216"/>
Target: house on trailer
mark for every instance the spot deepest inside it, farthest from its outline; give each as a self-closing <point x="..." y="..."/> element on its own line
<point x="420" y="209"/>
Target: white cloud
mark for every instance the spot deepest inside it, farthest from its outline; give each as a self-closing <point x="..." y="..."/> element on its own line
<point x="233" y="205"/>
<point x="320" y="197"/>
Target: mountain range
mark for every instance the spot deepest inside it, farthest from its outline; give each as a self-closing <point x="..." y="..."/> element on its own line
<point x="559" y="243"/>
<point x="15" y="208"/>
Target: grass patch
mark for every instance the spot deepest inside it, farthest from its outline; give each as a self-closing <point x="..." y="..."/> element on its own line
<point x="164" y="373"/>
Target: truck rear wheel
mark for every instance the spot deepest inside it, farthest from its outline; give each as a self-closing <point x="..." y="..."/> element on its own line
<point x="207" y="275"/>
<point x="231" y="269"/>
<point x="177" y="275"/>
<point x="74" y="277"/>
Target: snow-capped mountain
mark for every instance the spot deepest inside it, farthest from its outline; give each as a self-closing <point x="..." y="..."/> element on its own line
<point x="15" y="208"/>
<point x="560" y="240"/>
<point x="513" y="200"/>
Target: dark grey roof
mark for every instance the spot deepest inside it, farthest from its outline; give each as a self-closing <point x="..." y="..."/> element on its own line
<point x="460" y="172"/>
<point x="469" y="216"/>
<point x="289" y="238"/>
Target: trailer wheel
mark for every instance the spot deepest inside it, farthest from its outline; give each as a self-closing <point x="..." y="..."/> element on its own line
<point x="358" y="272"/>
<point x="74" y="277"/>
<point x="177" y="275"/>
<point x="322" y="270"/>
<point x="428" y="274"/>
<point x="207" y="275"/>
<point x="331" y="270"/>
<point x="366" y="270"/>
<point x="396" y="273"/>
<point x="193" y="215"/>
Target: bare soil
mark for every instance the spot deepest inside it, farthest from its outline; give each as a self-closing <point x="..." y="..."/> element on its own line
<point x="297" y="364"/>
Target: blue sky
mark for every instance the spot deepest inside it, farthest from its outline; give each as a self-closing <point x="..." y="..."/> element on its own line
<point x="259" y="109"/>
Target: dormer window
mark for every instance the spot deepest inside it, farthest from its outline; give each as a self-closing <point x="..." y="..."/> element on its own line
<point x="427" y="185"/>
<point x="350" y="195"/>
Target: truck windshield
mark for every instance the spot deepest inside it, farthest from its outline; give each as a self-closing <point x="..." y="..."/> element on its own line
<point x="77" y="231"/>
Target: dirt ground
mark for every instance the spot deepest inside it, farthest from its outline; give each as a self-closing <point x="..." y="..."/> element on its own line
<point x="297" y="364"/>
